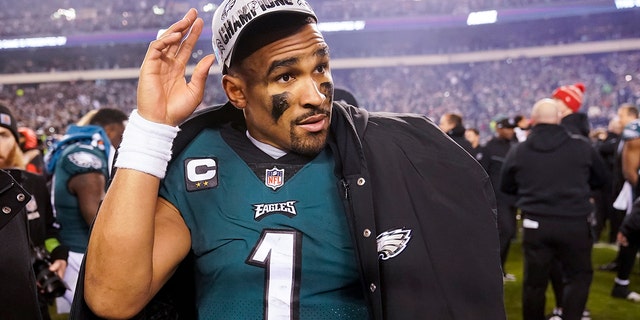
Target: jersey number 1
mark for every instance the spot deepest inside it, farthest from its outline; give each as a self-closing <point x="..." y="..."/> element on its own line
<point x="278" y="251"/>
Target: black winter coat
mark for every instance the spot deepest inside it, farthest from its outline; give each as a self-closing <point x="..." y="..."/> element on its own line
<point x="18" y="299"/>
<point x="491" y="156"/>
<point x="402" y="172"/>
<point x="577" y="123"/>
<point x="552" y="173"/>
<point x="42" y="223"/>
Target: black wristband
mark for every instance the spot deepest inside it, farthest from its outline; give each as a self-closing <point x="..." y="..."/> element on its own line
<point x="60" y="253"/>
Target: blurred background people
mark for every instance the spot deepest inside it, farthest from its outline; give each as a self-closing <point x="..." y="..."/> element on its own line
<point x="491" y="156"/>
<point x="451" y="124"/>
<point x="473" y="136"/>
<point x="522" y="128"/>
<point x="49" y="256"/>
<point x="18" y="297"/>
<point x="31" y="147"/>
<point x="629" y="233"/>
<point x="606" y="142"/>
<point x="626" y="114"/>
<point x="570" y="99"/>
<point x="552" y="174"/>
<point x="630" y="164"/>
<point x="80" y="164"/>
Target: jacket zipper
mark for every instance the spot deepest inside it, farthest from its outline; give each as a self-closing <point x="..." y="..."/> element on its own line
<point x="345" y="188"/>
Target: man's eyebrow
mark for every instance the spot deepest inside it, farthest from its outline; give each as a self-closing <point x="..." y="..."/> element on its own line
<point x="282" y="63"/>
<point x="321" y="52"/>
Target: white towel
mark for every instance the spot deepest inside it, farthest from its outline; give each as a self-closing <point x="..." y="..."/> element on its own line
<point x="624" y="201"/>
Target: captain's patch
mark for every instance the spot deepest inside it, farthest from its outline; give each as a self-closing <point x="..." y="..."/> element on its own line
<point x="392" y="242"/>
<point x="201" y="173"/>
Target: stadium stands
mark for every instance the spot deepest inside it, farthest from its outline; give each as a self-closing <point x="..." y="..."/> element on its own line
<point x="35" y="18"/>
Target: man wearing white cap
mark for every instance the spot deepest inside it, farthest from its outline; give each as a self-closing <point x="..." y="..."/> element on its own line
<point x="294" y="206"/>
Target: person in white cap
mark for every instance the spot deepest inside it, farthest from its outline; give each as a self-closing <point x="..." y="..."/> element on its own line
<point x="293" y="206"/>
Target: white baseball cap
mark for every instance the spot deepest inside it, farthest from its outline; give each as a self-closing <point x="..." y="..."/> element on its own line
<point x="233" y="16"/>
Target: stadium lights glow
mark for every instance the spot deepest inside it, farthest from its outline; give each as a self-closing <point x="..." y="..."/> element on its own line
<point x="341" y="26"/>
<point x="68" y="14"/>
<point x="209" y="7"/>
<point x="626" y="4"/>
<point x="33" y="42"/>
<point x="482" y="17"/>
<point x="157" y="10"/>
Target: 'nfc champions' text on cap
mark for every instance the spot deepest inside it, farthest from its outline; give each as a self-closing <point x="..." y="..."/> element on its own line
<point x="232" y="16"/>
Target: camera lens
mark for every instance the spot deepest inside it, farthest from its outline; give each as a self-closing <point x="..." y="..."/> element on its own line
<point x="48" y="281"/>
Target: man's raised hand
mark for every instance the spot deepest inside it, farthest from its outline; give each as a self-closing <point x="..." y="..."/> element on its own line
<point x="164" y="95"/>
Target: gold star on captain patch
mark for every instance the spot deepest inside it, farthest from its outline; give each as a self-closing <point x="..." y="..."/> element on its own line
<point x="206" y="183"/>
<point x="198" y="184"/>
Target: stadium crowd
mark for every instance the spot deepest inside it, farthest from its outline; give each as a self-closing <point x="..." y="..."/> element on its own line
<point x="479" y="91"/>
<point x="19" y="18"/>
<point x="416" y="41"/>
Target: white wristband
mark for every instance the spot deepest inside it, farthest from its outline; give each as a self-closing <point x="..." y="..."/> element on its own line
<point x="146" y="146"/>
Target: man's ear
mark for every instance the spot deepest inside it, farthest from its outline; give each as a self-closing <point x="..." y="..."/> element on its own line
<point x="234" y="88"/>
<point x="111" y="129"/>
<point x="108" y="128"/>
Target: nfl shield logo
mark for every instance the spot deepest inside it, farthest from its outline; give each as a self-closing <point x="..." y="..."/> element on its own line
<point x="274" y="178"/>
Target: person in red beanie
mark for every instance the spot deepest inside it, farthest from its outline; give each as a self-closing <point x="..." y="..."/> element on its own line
<point x="571" y="99"/>
<point x="552" y="174"/>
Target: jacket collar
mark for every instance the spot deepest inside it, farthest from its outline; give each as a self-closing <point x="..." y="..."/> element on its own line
<point x="348" y="126"/>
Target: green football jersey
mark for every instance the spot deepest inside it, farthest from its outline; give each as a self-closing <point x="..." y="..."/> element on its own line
<point x="76" y="159"/>
<point x="270" y="245"/>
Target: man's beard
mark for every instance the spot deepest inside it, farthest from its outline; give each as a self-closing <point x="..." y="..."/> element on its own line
<point x="310" y="144"/>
